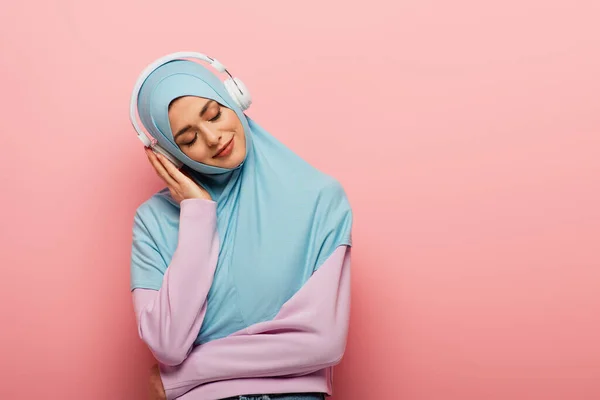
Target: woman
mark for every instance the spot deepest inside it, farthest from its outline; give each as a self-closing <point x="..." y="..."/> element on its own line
<point x="240" y="267"/>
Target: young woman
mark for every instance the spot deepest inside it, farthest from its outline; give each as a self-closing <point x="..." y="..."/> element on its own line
<point x="240" y="267"/>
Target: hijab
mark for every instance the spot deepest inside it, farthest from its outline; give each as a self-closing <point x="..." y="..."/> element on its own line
<point x="278" y="218"/>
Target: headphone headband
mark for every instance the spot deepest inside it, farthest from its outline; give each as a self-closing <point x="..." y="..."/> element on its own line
<point x="154" y="65"/>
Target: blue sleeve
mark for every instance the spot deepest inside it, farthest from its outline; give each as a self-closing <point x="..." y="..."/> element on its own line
<point x="334" y="216"/>
<point x="147" y="265"/>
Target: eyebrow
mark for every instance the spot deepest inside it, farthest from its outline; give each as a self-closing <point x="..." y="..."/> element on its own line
<point x="188" y="127"/>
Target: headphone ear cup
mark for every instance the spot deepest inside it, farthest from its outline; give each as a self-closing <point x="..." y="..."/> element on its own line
<point x="243" y="98"/>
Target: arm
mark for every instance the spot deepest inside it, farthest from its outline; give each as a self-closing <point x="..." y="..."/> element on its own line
<point x="169" y="319"/>
<point x="307" y="335"/>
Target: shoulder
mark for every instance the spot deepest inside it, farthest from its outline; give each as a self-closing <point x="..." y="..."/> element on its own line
<point x="155" y="206"/>
<point x="332" y="193"/>
<point x="156" y="209"/>
<point x="333" y="205"/>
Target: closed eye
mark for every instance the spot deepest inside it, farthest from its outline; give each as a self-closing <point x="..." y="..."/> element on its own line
<point x="192" y="141"/>
<point x="216" y="117"/>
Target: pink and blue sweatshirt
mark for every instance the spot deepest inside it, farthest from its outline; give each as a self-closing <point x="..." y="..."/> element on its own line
<point x="293" y="352"/>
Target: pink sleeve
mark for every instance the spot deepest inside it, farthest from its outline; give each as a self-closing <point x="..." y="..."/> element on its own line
<point x="169" y="319"/>
<point x="308" y="334"/>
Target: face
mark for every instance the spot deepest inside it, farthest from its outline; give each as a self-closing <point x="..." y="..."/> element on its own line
<point x="207" y="132"/>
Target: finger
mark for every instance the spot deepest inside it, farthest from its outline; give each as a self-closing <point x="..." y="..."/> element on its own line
<point x="160" y="169"/>
<point x="186" y="173"/>
<point x="173" y="171"/>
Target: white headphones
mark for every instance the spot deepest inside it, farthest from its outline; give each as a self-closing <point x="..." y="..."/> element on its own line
<point x="235" y="87"/>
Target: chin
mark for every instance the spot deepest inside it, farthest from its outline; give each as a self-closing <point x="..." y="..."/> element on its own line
<point x="229" y="163"/>
<point x="232" y="163"/>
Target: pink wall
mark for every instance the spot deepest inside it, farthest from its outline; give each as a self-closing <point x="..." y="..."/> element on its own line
<point x="467" y="134"/>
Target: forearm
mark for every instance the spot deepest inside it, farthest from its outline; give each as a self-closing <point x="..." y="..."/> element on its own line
<point x="169" y="319"/>
<point x="308" y="334"/>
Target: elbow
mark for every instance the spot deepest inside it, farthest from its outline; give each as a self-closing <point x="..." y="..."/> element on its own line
<point x="336" y="353"/>
<point x="165" y="353"/>
<point x="332" y="349"/>
<point x="171" y="358"/>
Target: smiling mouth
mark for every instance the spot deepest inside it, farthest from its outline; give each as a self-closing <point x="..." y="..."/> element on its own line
<point x="225" y="150"/>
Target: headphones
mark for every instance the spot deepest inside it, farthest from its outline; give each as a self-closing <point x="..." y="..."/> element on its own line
<point x="235" y="87"/>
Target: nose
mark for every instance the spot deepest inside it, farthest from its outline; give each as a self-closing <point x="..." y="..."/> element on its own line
<point x="211" y="135"/>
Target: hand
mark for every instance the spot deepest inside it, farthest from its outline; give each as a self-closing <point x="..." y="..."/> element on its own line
<point x="180" y="185"/>
<point x="156" y="389"/>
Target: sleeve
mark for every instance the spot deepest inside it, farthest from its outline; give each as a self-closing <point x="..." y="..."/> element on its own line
<point x="308" y="334"/>
<point x="169" y="319"/>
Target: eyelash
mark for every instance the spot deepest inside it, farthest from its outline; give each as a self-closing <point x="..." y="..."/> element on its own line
<point x="188" y="144"/>
<point x="216" y="117"/>
<point x="213" y="119"/>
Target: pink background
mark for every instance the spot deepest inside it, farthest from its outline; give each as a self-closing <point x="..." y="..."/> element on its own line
<point x="467" y="135"/>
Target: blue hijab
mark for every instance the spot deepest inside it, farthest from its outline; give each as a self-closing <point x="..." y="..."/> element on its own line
<point x="278" y="218"/>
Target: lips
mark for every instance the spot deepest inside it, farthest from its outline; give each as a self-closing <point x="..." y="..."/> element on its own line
<point x="225" y="150"/>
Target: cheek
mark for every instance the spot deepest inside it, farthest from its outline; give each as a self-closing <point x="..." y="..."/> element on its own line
<point x="239" y="130"/>
<point x="196" y="152"/>
<point x="242" y="145"/>
<point x="232" y="122"/>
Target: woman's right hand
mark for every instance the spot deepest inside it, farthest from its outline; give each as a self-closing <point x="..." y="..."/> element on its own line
<point x="155" y="386"/>
<point x="181" y="186"/>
